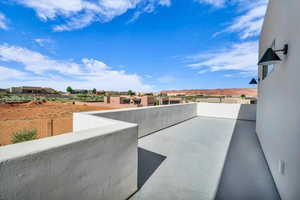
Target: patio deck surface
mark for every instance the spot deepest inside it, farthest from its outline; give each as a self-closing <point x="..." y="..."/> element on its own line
<point x="186" y="161"/>
<point x="246" y="174"/>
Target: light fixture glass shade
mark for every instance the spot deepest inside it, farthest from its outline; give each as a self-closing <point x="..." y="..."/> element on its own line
<point x="270" y="57"/>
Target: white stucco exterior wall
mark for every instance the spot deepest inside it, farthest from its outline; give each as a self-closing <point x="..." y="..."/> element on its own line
<point x="278" y="116"/>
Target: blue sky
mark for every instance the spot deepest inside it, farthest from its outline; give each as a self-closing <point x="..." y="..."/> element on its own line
<point x="143" y="45"/>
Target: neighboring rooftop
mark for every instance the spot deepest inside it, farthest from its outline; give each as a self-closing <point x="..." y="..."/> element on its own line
<point x="249" y="92"/>
<point x="33" y="90"/>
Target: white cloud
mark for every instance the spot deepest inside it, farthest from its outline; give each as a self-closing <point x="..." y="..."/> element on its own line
<point x="89" y="73"/>
<point x="36" y="62"/>
<point x="215" y="3"/>
<point x="241" y="74"/>
<point x="149" y="8"/>
<point x="250" y="19"/>
<point x="249" y="24"/>
<point x="3" y="22"/>
<point x="9" y="74"/>
<point x="76" y="22"/>
<point x="43" y="42"/>
<point x="240" y="57"/>
<point x="81" y="13"/>
<point x="203" y="71"/>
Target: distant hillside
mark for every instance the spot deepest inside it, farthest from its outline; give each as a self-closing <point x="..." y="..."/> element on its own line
<point x="249" y="92"/>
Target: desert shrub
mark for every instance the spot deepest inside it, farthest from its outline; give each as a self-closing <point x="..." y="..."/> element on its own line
<point x="4" y="95"/>
<point x="82" y="95"/>
<point x="156" y="103"/>
<point x="15" y="98"/>
<point x="88" y="98"/>
<point x="97" y="98"/>
<point x="24" y="135"/>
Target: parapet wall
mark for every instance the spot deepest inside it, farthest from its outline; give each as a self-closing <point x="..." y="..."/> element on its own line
<point x="94" y="164"/>
<point x="100" y="160"/>
<point x="230" y="111"/>
<point x="148" y="119"/>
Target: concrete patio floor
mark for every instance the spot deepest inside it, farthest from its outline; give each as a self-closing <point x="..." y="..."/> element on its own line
<point x="186" y="161"/>
<point x="246" y="174"/>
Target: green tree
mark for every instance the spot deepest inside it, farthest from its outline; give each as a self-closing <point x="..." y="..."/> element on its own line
<point x="243" y="96"/>
<point x="94" y="91"/>
<point x="131" y="93"/>
<point x="69" y="89"/>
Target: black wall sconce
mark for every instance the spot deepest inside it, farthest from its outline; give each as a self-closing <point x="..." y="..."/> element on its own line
<point x="253" y="82"/>
<point x="270" y="56"/>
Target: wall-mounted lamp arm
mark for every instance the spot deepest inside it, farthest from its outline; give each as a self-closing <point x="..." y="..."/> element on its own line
<point x="284" y="50"/>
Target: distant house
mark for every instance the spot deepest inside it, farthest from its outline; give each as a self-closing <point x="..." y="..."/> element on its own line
<point x="169" y="100"/>
<point x="123" y="93"/>
<point x="102" y="92"/>
<point x="3" y="91"/>
<point x="148" y="100"/>
<point x="133" y="100"/>
<point x="31" y="90"/>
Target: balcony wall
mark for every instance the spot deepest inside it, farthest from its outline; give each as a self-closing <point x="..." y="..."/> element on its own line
<point x="99" y="161"/>
<point x="230" y="111"/>
<point x="149" y="119"/>
<point x="94" y="164"/>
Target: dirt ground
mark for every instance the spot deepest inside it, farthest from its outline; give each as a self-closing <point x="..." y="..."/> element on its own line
<point x="48" y="118"/>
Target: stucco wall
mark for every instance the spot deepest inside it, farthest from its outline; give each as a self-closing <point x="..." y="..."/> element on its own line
<point x="231" y="111"/>
<point x="278" y="114"/>
<point x="151" y="119"/>
<point x="98" y="163"/>
<point x="84" y="121"/>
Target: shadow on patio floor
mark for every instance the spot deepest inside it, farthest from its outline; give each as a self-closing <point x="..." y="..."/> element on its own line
<point x="246" y="175"/>
<point x="148" y="162"/>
